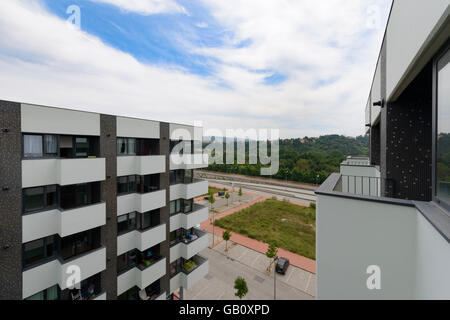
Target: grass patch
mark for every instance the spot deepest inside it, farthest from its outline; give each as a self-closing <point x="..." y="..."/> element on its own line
<point x="284" y="224"/>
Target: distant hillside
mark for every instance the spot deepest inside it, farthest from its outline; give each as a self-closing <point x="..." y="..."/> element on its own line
<point x="304" y="159"/>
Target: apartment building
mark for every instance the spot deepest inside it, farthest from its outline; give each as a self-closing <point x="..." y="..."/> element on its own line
<point x="383" y="223"/>
<point x="96" y="206"/>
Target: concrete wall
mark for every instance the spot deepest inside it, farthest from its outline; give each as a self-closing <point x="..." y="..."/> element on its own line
<point x="411" y="28"/>
<point x="10" y="202"/>
<point x="353" y="234"/>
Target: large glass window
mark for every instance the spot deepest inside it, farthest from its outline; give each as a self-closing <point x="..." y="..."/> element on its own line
<point x="126" y="222"/>
<point x="32" y="146"/>
<point x="38" y="250"/>
<point x="39" y="198"/>
<point x="47" y="294"/>
<point x="79" y="243"/>
<point x="443" y="130"/>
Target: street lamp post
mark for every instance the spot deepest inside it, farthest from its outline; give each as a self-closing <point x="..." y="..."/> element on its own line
<point x="275" y="259"/>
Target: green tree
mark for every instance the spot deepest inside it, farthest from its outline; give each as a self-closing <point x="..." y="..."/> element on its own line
<point x="226" y="235"/>
<point x="241" y="286"/>
<point x="271" y="253"/>
<point x="211" y="199"/>
<point x="240" y="193"/>
<point x="227" y="196"/>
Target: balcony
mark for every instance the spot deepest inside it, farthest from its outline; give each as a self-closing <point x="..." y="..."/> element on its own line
<point x="188" y="246"/>
<point x="58" y="271"/>
<point x="141" y="202"/>
<point x="141" y="276"/>
<point x="141" y="240"/>
<point x="41" y="172"/>
<point x="140" y="165"/>
<point x="358" y="176"/>
<point x="188" y="278"/>
<point x="188" y="161"/>
<point x="189" y="190"/>
<point x="62" y="222"/>
<point x="408" y="240"/>
<point x="191" y="219"/>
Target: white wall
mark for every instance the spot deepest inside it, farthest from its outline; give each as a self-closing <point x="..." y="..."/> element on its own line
<point x="40" y="119"/>
<point x="410" y="26"/>
<point x="42" y="224"/>
<point x="351" y="234"/>
<point x="141" y="202"/>
<point x="140" y="165"/>
<point x="137" y="128"/>
<point x="141" y="240"/>
<point x="432" y="262"/>
<point x="188" y="191"/>
<point x="185" y="132"/>
<point x="354" y="234"/>
<point x="41" y="172"/>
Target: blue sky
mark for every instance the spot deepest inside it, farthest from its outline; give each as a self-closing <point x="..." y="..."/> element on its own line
<point x="300" y="66"/>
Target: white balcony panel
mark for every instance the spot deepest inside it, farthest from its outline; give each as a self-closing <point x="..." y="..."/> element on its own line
<point x="39" y="119"/>
<point x="72" y="171"/>
<point x="89" y="264"/>
<point x="188" y="250"/>
<point x="137" y="128"/>
<point x="40" y="225"/>
<point x="141" y="240"/>
<point x="196" y="275"/>
<point x="140" y="165"/>
<point x="141" y="202"/>
<point x="188" y="191"/>
<point x="185" y="132"/>
<point x="81" y="219"/>
<point x="188" y="161"/>
<point x="141" y="278"/>
<point x="152" y="273"/>
<point x="101" y="296"/>
<point x="41" y="172"/>
<point x="64" y="223"/>
<point x="188" y="280"/>
<point x="55" y="272"/>
<point x="189" y="220"/>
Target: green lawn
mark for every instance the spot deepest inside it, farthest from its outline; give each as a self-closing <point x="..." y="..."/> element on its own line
<point x="287" y="225"/>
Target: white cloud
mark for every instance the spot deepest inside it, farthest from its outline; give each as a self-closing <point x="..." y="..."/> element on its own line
<point x="146" y="7"/>
<point x="43" y="61"/>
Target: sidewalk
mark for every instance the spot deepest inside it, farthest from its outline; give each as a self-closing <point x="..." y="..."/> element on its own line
<point x="295" y="259"/>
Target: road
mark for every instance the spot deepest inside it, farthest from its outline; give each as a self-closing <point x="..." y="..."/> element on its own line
<point x="302" y="196"/>
<point x="219" y="283"/>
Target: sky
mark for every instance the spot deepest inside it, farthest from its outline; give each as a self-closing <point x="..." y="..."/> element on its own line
<point x="304" y="67"/>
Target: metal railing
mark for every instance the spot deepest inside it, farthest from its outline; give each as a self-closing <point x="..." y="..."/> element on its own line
<point x="360" y="185"/>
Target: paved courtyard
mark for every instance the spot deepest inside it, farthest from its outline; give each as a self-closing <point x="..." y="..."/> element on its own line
<point x="224" y="268"/>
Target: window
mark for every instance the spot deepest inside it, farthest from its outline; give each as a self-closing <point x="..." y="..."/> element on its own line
<point x="126" y="222"/>
<point x="32" y="146"/>
<point x="122" y="185"/>
<point x="180" y="205"/>
<point x="39" y="198"/>
<point x="443" y="129"/>
<point x="139" y="184"/>
<point x="79" y="243"/>
<point x="79" y="195"/>
<point x="38" y="146"/>
<point x="127" y="146"/>
<point x="51" y="293"/>
<point x="38" y="250"/>
<point x="81" y="147"/>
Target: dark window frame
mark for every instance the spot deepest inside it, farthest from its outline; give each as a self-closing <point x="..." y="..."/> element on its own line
<point x="45" y="154"/>
<point x="45" y="291"/>
<point x="130" y="226"/>
<point x="46" y="258"/>
<point x="44" y="199"/>
<point x="441" y="54"/>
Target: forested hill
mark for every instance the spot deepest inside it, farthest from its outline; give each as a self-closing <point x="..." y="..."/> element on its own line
<point x="304" y="159"/>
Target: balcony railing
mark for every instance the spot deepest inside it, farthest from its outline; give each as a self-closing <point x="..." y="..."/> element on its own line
<point x="189" y="245"/>
<point x="181" y="276"/>
<point x="191" y="219"/>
